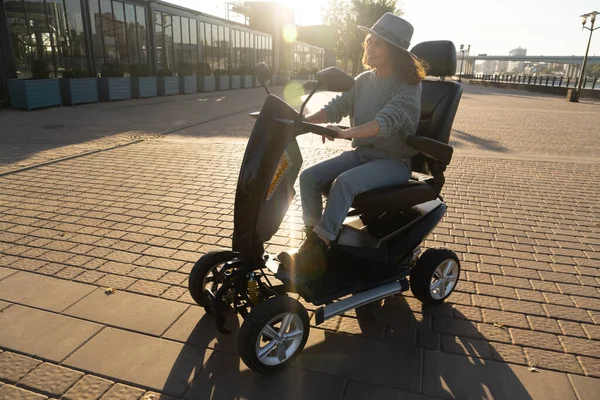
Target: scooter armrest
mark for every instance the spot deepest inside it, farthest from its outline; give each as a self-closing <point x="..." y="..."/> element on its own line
<point x="430" y="148"/>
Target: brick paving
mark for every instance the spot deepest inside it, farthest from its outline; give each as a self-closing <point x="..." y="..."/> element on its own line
<point x="522" y="196"/>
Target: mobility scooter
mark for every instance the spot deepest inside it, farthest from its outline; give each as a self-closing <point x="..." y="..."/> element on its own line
<point x="377" y="252"/>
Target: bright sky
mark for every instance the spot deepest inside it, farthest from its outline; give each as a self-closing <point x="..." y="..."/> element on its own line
<point x="549" y="28"/>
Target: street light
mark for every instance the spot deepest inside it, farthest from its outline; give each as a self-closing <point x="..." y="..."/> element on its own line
<point x="462" y="50"/>
<point x="584" y="19"/>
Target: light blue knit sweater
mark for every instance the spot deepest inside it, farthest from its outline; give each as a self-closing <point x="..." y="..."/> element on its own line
<point x="394" y="104"/>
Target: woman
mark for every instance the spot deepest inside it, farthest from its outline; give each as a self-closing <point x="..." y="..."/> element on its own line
<point x="384" y="107"/>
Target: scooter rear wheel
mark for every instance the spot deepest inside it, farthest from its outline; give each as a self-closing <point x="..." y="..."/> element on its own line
<point x="435" y="275"/>
<point x="274" y="332"/>
<point x="207" y="273"/>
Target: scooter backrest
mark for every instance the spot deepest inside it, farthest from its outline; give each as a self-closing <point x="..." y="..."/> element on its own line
<point x="440" y="98"/>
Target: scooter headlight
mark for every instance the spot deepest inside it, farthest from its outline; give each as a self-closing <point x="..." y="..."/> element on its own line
<point x="280" y="172"/>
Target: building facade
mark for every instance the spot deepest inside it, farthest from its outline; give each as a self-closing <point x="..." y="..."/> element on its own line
<point x="93" y="35"/>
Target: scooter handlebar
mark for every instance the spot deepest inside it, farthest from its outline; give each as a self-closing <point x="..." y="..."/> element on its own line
<point x="319" y="130"/>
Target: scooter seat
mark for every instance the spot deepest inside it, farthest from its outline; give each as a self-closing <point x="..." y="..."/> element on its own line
<point x="395" y="197"/>
<point x="418" y="190"/>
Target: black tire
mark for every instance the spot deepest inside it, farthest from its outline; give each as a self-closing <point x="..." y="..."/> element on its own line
<point x="258" y="318"/>
<point x="201" y="269"/>
<point x="423" y="271"/>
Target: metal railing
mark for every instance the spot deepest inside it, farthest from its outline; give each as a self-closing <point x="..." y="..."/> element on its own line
<point x="553" y="81"/>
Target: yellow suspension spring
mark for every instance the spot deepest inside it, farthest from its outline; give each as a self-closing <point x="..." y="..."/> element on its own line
<point x="253" y="291"/>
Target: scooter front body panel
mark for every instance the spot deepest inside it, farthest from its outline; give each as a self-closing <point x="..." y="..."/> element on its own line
<point x="265" y="186"/>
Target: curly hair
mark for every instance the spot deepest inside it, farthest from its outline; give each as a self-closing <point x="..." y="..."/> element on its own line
<point x="408" y="68"/>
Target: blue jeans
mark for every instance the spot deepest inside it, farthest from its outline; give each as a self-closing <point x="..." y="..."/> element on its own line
<point x="352" y="172"/>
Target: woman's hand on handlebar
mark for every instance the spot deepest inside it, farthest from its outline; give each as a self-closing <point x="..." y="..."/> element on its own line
<point x="340" y="133"/>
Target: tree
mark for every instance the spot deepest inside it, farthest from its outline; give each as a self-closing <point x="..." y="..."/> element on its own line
<point x="345" y="16"/>
<point x="593" y="70"/>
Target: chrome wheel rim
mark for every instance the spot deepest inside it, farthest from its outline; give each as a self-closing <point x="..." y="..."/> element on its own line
<point x="444" y="279"/>
<point x="214" y="279"/>
<point x="279" y="339"/>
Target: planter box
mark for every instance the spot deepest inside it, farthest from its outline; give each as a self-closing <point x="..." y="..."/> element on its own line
<point x="168" y="85"/>
<point x="34" y="93"/>
<point x="79" y="90"/>
<point x="206" y="83"/>
<point x="282" y="78"/>
<point x="146" y="86"/>
<point x="188" y="84"/>
<point x="236" y="81"/>
<point x="222" y="82"/>
<point x="110" y="89"/>
<point x="247" y="81"/>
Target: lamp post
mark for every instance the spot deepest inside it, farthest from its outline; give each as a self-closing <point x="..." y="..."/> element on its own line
<point x="584" y="19"/>
<point x="462" y="50"/>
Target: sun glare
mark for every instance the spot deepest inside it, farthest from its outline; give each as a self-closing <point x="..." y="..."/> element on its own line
<point x="290" y="33"/>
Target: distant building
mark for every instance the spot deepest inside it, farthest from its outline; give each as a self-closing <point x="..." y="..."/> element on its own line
<point x="517" y="66"/>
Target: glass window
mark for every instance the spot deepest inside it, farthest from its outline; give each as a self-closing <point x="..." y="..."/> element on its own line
<point x="76" y="34"/>
<point x="215" y="47"/>
<point x="42" y="36"/>
<point x="194" y="42"/>
<point x="185" y="40"/>
<point x="132" y="34"/>
<point x="120" y="36"/>
<point x="202" y="40"/>
<point x="161" y="50"/>
<point x="22" y="43"/>
<point x="168" y="42"/>
<point x="108" y="33"/>
<point x="221" y="47"/>
<point x="142" y="33"/>
<point x="177" y="43"/>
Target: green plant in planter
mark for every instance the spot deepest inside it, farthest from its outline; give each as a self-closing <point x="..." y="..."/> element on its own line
<point x="203" y="69"/>
<point x="165" y="72"/>
<point x="112" y="71"/>
<point x="186" y="69"/>
<point x="76" y="74"/>
<point x="304" y="71"/>
<point x="140" y="70"/>
<point x="314" y="71"/>
<point x="220" y="71"/>
<point x="39" y="70"/>
<point x="246" y="70"/>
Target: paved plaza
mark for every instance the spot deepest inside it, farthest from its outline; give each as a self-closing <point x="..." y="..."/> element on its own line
<point x="128" y="195"/>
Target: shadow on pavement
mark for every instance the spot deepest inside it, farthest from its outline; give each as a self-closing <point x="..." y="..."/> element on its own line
<point x="330" y="358"/>
<point x="482" y="144"/>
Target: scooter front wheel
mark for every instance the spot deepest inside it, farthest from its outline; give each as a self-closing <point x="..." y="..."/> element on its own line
<point x="435" y="275"/>
<point x="274" y="332"/>
<point x="208" y="273"/>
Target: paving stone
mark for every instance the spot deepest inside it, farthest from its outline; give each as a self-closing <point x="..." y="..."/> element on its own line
<point x="123" y="392"/>
<point x="591" y="366"/>
<point x="553" y="361"/>
<point x="90" y="276"/>
<point x="570" y="328"/>
<point x="533" y="339"/>
<point x="10" y="392"/>
<point x="524" y="307"/>
<point x="50" y="379"/>
<point x="466" y="346"/>
<point x="508" y="353"/>
<point x="354" y="357"/>
<point x="374" y="329"/>
<point x="41" y="291"/>
<point x="559" y="299"/>
<point x="567" y="313"/>
<point x="115" y="281"/>
<point x="505" y="318"/>
<point x="494" y="333"/>
<point x="453" y="376"/>
<point x="6" y="272"/>
<point x="356" y="390"/>
<point x="88" y="388"/>
<point x="43" y="334"/>
<point x="586" y="388"/>
<point x="13" y="366"/>
<point x="455" y="327"/>
<point x="428" y="340"/>
<point x="544" y="324"/>
<point x="486" y="302"/>
<point x="225" y="377"/>
<point x="127" y="310"/>
<point x="158" y="396"/>
<point x="4" y="304"/>
<point x="133" y="358"/>
<point x="581" y="346"/>
<point x="592" y="331"/>
<point x="148" y="288"/>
